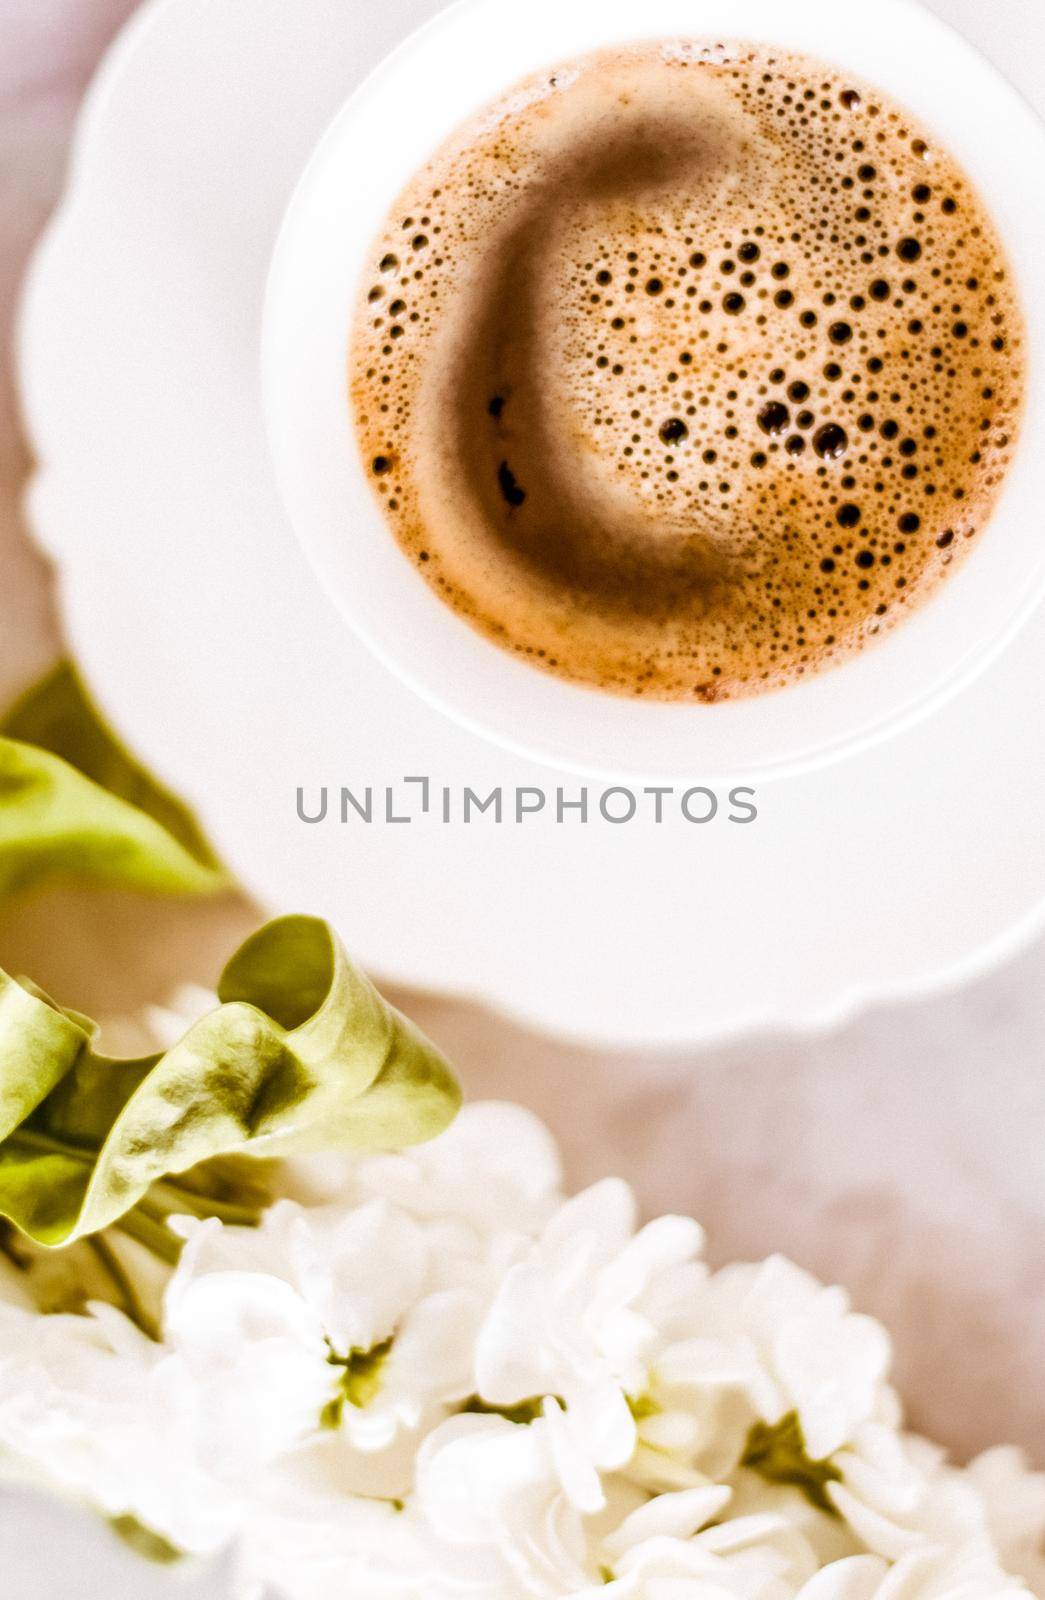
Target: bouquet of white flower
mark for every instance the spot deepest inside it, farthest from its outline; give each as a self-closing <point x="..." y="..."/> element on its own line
<point x="428" y="1375"/>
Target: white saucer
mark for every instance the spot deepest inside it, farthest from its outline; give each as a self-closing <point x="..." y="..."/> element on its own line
<point x="210" y="644"/>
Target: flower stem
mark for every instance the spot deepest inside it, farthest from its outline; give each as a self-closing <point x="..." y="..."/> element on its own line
<point x="9" y="1247"/>
<point x="130" y="1304"/>
<point x="174" y="1198"/>
<point x="152" y="1232"/>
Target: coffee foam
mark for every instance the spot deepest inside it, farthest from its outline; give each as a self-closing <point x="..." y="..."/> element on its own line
<point x="686" y="370"/>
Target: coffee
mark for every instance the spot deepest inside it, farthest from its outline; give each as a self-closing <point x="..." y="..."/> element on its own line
<point x="686" y="370"/>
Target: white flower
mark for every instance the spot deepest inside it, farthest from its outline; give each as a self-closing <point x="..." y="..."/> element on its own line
<point x="83" y="1410"/>
<point x="317" y="1319"/>
<point x="311" y="1533"/>
<point x="827" y="1532"/>
<point x="750" y="1558"/>
<point x="899" y="1495"/>
<point x="489" y="1502"/>
<point x="481" y="1191"/>
<point x="446" y="1383"/>
<point x="760" y="1342"/>
<point x="931" y="1573"/>
<point x="762" y="1558"/>
<point x="579" y="1317"/>
<point x="496" y="1170"/>
<point x="1014" y="1502"/>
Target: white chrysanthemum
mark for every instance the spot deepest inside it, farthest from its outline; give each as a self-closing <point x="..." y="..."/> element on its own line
<point x="482" y="1190"/>
<point x="899" y="1495"/>
<point x="579" y="1317"/>
<point x="490" y="1505"/>
<point x="761" y="1343"/>
<point x="496" y="1171"/>
<point x="929" y="1573"/>
<point x="329" y="1318"/>
<point x="1014" y="1502"/>
<point x="84" y="1412"/>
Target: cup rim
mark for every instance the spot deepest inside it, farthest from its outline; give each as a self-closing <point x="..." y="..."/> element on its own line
<point x="304" y="352"/>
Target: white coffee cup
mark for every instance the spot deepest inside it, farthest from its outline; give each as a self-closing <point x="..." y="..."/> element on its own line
<point x="463" y="59"/>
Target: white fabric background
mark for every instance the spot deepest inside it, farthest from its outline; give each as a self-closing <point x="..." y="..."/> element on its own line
<point x="904" y="1156"/>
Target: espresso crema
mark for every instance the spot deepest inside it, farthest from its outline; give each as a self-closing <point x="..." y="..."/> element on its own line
<point x="687" y="370"/>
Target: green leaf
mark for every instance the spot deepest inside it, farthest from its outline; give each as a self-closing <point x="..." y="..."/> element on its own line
<point x="56" y="824"/>
<point x="302" y="1055"/>
<point x="58" y="715"/>
<point x="75" y="805"/>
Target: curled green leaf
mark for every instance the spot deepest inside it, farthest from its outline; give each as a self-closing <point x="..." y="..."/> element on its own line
<point x="302" y="1055"/>
<point x="75" y="805"/>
